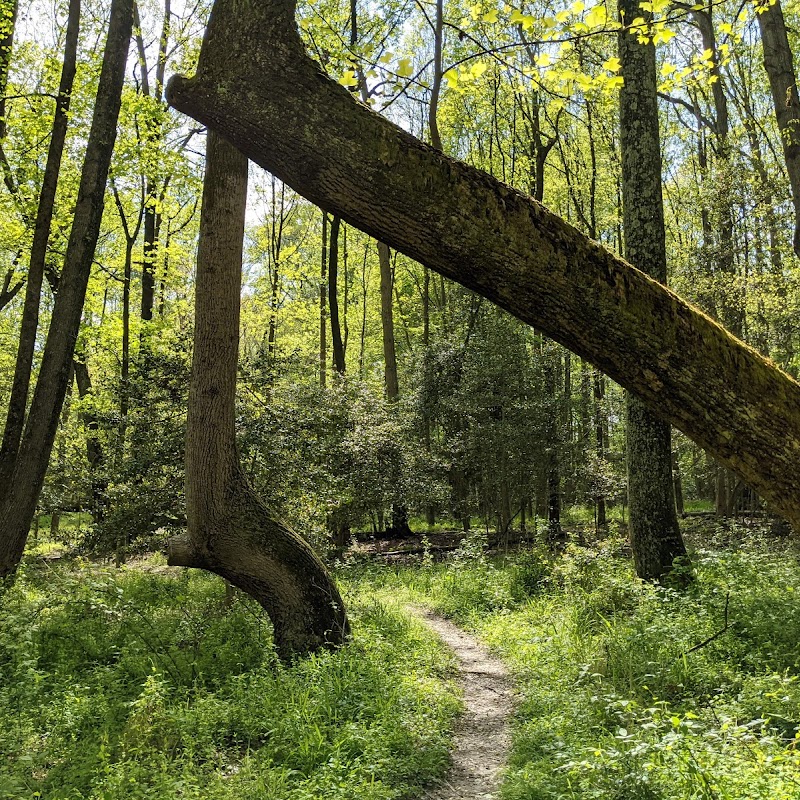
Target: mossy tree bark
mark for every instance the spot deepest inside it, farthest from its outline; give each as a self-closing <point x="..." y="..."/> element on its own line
<point x="230" y="532"/>
<point x="654" y="533"/>
<point x="17" y="510"/>
<point x="256" y="85"/>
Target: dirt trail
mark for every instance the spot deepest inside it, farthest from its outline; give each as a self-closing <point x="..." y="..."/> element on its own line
<point x="482" y="735"/>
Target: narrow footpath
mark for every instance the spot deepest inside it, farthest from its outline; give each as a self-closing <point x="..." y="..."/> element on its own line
<point x="482" y="736"/>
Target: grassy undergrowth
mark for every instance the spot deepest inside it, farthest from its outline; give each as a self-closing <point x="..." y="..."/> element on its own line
<point x="135" y="684"/>
<point x="631" y="691"/>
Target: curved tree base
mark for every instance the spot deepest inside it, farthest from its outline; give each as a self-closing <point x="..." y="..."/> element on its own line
<point x="230" y="531"/>
<point x="248" y="546"/>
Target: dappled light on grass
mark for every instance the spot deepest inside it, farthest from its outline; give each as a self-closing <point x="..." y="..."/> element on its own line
<point x="137" y="684"/>
<point x="616" y="698"/>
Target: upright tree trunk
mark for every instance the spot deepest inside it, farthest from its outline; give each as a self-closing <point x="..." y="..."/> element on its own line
<point x="494" y="240"/>
<point x="655" y="537"/>
<point x="551" y="355"/>
<point x="601" y="439"/>
<point x="387" y="320"/>
<point x="152" y="133"/>
<point x="17" y="512"/>
<point x="779" y="64"/>
<point x="230" y="531"/>
<point x="333" y="297"/>
<point x="436" y="84"/>
<point x="8" y="24"/>
<point x="730" y="302"/>
<point x="15" y="418"/>
<point x="94" y="449"/>
<point x="323" y="305"/>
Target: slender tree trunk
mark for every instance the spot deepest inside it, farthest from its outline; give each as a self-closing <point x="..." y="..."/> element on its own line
<point x="779" y="64"/>
<point x="655" y="537"/>
<point x="551" y="355"/>
<point x="230" y="531"/>
<point x="15" y="418"/>
<point x="387" y="320"/>
<point x="601" y="439"/>
<point x="731" y="302"/>
<point x="19" y="507"/>
<point x="323" y="305"/>
<point x="131" y="235"/>
<point x="152" y="134"/>
<point x="494" y="240"/>
<point x="94" y="449"/>
<point x="8" y="24"/>
<point x="436" y="84"/>
<point x="333" y="297"/>
<point x="125" y="368"/>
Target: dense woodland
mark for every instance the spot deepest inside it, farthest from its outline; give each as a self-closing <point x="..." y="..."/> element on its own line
<point x="376" y="405"/>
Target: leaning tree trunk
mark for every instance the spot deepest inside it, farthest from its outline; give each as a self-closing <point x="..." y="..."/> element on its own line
<point x="256" y="86"/>
<point x="16" y="513"/>
<point x="654" y="533"/>
<point x="230" y="531"/>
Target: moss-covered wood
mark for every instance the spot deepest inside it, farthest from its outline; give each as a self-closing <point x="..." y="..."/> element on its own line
<point x="230" y="531"/>
<point x="256" y="86"/>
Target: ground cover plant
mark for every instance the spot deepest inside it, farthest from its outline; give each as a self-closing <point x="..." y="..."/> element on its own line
<point x="147" y="682"/>
<point x="628" y="690"/>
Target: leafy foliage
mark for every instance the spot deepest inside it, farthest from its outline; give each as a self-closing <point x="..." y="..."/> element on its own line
<point x="636" y="691"/>
<point x="143" y="683"/>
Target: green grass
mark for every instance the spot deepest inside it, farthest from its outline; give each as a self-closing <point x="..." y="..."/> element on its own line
<point x="614" y="703"/>
<point x="145" y="684"/>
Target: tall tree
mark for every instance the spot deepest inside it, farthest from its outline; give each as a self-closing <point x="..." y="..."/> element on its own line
<point x="17" y="511"/>
<point x="15" y="418"/>
<point x="8" y="24"/>
<point x="494" y="240"/>
<point x="779" y="64"/>
<point x="153" y="125"/>
<point x="333" y="297"/>
<point x="323" y="305"/>
<point x="655" y="536"/>
<point x="387" y="324"/>
<point x="230" y="531"/>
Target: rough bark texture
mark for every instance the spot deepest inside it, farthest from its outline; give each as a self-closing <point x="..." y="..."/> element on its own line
<point x="783" y="82"/>
<point x="15" y="418"/>
<point x="256" y="85"/>
<point x="18" y="510"/>
<point x="230" y="532"/>
<point x="653" y="523"/>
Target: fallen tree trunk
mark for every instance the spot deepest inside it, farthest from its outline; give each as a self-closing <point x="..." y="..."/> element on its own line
<point x="230" y="531"/>
<point x="256" y="85"/>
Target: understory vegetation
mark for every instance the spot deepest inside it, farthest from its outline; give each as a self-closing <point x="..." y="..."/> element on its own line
<point x="145" y="682"/>
<point x="628" y="690"/>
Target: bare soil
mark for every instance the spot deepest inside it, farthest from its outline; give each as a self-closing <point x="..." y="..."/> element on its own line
<point x="482" y="737"/>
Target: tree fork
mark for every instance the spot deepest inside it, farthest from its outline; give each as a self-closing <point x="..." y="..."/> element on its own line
<point x="257" y="87"/>
<point x="230" y="531"/>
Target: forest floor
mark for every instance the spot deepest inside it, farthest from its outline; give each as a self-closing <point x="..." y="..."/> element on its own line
<point x="482" y="736"/>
